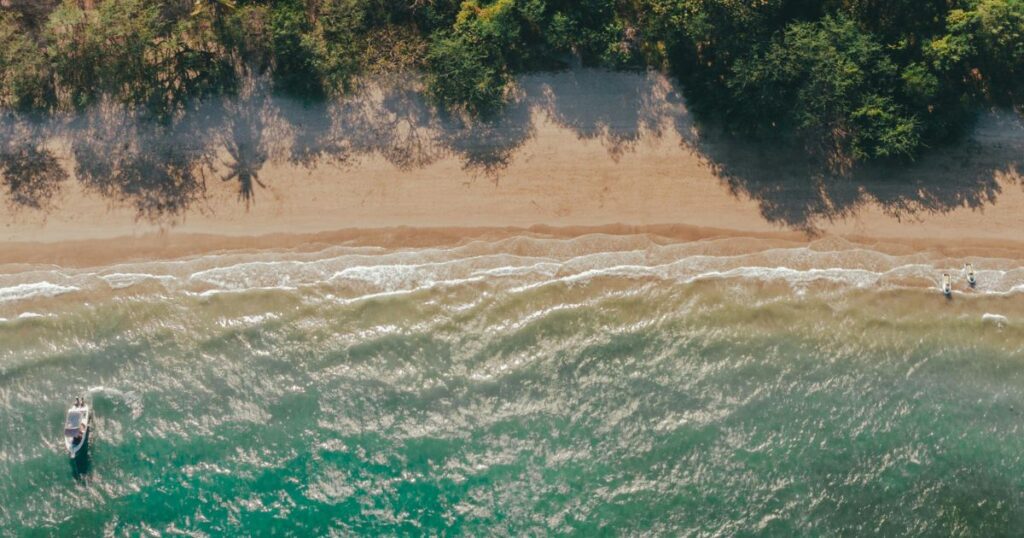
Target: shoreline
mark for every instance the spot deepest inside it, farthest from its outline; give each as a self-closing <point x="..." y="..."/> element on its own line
<point x="83" y="253"/>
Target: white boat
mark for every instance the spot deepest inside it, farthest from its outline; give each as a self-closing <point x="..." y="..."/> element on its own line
<point x="947" y="284"/>
<point x="970" y="274"/>
<point x="76" y="428"/>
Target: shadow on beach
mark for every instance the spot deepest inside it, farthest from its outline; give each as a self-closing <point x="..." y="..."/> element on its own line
<point x="161" y="168"/>
<point x="798" y="194"/>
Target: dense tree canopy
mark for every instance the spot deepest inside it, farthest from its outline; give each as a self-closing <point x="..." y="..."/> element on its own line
<point x="848" y="80"/>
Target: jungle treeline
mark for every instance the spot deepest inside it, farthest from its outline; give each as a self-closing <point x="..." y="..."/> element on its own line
<point x="846" y="81"/>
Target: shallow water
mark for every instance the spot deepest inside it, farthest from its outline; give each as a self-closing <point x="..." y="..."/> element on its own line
<point x="522" y="386"/>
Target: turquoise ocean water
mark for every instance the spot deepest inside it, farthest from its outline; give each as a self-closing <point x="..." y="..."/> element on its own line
<point x="603" y="385"/>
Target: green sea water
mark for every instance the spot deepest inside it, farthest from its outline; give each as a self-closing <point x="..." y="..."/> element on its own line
<point x="529" y="386"/>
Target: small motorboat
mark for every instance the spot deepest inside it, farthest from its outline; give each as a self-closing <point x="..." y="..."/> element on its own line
<point x="971" y="280"/>
<point x="76" y="427"/>
<point x="947" y="284"/>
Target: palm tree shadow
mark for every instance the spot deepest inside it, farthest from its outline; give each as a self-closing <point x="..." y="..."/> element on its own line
<point x="245" y="144"/>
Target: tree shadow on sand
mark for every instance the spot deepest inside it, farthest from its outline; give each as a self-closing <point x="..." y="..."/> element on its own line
<point x="29" y="171"/>
<point x="391" y="119"/>
<point x="800" y="194"/>
<point x="488" y="145"/>
<point x="155" y="168"/>
<point x="160" y="168"/>
<point x="615" y="107"/>
<point x="249" y="120"/>
<point x="791" y="190"/>
<point x="394" y="120"/>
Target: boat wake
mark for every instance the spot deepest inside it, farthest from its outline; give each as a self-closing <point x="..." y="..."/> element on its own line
<point x="108" y="399"/>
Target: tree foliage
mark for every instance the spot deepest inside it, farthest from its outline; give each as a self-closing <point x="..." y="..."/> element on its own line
<point x="24" y="73"/>
<point x="470" y="63"/>
<point x="849" y="80"/>
<point x="829" y="84"/>
<point x="130" y="51"/>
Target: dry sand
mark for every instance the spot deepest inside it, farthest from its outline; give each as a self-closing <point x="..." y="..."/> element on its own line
<point x="558" y="182"/>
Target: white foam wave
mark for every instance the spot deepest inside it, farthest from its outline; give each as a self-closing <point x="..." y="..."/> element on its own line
<point x="249" y="275"/>
<point x="997" y="319"/>
<point x="126" y="280"/>
<point x="30" y="315"/>
<point x="405" y="278"/>
<point x="679" y="270"/>
<point x="247" y="321"/>
<point x="384" y="276"/>
<point x="856" y="277"/>
<point x="404" y="291"/>
<point x="212" y="293"/>
<point x="33" y="290"/>
<point x="526" y="263"/>
<point x="21" y="317"/>
<point x="543" y="268"/>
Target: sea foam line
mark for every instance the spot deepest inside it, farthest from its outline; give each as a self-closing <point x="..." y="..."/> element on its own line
<point x="405" y="271"/>
<point x="125" y="280"/>
<point x="34" y="289"/>
<point x="857" y="277"/>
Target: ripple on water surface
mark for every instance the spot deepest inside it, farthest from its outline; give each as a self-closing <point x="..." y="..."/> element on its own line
<point x="522" y="386"/>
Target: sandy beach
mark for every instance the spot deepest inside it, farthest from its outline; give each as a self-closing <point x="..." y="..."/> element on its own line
<point x="612" y="175"/>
